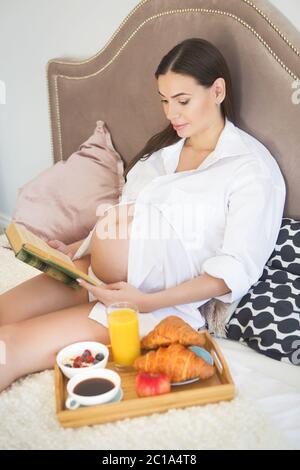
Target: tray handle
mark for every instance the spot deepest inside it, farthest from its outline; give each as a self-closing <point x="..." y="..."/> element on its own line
<point x="219" y="361"/>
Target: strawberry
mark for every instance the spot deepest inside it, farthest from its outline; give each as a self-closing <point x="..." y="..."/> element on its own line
<point x="90" y="359"/>
<point x="87" y="353"/>
<point x="77" y="361"/>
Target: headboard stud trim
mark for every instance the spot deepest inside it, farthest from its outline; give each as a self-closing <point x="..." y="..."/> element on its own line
<point x="186" y="10"/>
<point x="58" y="118"/>
<point x="248" y="2"/>
<point x="261" y="13"/>
<point x="153" y="17"/>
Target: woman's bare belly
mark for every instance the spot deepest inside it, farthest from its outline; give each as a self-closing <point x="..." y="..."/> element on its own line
<point x="110" y="244"/>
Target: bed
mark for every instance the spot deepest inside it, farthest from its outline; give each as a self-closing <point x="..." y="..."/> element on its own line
<point x="266" y="410"/>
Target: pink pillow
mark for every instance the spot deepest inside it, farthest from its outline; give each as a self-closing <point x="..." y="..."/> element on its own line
<point x="61" y="202"/>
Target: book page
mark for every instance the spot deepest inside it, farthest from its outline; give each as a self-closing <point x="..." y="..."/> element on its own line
<point x="29" y="237"/>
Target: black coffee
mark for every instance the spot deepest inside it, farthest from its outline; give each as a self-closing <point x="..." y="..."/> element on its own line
<point x="92" y="387"/>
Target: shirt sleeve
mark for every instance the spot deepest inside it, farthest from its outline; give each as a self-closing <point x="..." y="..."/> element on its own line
<point x="254" y="215"/>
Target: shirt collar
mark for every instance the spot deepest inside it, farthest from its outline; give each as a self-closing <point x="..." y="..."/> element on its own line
<point x="230" y="144"/>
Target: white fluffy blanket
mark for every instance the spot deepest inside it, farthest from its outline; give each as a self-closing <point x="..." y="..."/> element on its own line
<point x="28" y="420"/>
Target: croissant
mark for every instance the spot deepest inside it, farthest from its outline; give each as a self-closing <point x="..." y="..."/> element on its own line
<point x="172" y="330"/>
<point x="176" y="361"/>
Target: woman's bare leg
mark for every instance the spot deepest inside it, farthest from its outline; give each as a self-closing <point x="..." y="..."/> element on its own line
<point x="39" y="295"/>
<point x="31" y="345"/>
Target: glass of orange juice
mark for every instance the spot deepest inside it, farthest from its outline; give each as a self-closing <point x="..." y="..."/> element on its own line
<point x="123" y="326"/>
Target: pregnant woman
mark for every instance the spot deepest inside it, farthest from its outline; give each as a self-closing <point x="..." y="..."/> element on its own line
<point x="232" y="194"/>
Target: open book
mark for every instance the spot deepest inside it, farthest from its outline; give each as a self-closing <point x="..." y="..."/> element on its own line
<point x="36" y="252"/>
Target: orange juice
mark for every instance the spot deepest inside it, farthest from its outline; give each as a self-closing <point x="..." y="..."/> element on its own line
<point x="124" y="336"/>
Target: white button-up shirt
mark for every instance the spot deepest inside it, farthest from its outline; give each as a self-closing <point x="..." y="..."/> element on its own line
<point x="232" y="210"/>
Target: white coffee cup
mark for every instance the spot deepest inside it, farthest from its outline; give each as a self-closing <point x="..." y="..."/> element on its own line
<point x="74" y="400"/>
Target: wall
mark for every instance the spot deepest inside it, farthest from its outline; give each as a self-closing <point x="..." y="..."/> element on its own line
<point x="32" y="32"/>
<point x="290" y="8"/>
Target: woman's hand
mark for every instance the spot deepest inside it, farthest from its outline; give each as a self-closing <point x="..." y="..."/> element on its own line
<point x="60" y="246"/>
<point x="117" y="292"/>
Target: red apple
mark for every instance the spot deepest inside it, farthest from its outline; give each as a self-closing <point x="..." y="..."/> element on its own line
<point x="151" y="384"/>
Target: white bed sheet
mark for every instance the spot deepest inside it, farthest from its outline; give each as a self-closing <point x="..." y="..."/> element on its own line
<point x="274" y="385"/>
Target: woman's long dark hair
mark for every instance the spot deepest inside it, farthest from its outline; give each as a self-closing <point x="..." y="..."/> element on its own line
<point x="197" y="58"/>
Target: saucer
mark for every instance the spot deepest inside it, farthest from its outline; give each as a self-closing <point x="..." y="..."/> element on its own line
<point x="200" y="352"/>
<point x="116" y="399"/>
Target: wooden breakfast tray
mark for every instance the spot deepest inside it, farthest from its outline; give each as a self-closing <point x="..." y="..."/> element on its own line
<point x="220" y="387"/>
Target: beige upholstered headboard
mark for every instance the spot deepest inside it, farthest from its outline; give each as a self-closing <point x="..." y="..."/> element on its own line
<point x="117" y="85"/>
